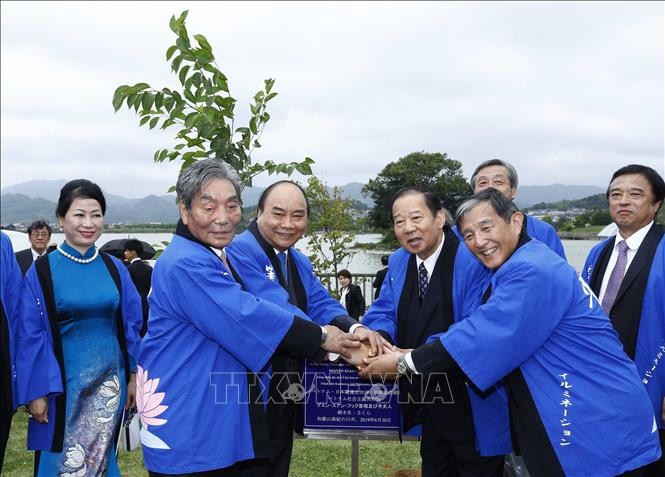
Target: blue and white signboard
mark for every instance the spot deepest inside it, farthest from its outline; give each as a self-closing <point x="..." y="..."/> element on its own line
<point x="338" y="401"/>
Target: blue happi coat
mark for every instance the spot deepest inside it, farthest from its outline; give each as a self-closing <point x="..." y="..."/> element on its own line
<point x="206" y="338"/>
<point x="490" y="412"/>
<point x="38" y="368"/>
<point x="543" y="320"/>
<point x="541" y="230"/>
<point x="10" y="289"/>
<point x="650" y="348"/>
<point x="259" y="278"/>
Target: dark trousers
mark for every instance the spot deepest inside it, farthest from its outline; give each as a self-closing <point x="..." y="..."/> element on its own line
<point x="657" y="469"/>
<point x="281" y="419"/>
<point x="240" y="469"/>
<point x="450" y="450"/>
<point x="5" y="425"/>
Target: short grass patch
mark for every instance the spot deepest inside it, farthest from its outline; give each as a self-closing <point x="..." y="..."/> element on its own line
<point x="331" y="458"/>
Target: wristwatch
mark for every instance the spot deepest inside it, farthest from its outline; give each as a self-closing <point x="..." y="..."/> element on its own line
<point x="324" y="335"/>
<point x="402" y="366"/>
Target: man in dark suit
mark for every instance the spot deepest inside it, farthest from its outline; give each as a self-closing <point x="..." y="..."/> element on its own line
<point x="431" y="281"/>
<point x="380" y="276"/>
<point x="627" y="274"/>
<point x="39" y="234"/>
<point x="141" y="274"/>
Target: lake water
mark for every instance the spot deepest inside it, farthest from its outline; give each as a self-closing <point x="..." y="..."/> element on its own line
<point x="364" y="261"/>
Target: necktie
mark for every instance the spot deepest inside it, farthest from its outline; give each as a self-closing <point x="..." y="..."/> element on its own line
<point x="614" y="283"/>
<point x="222" y="257"/>
<point x="281" y="256"/>
<point x="422" y="280"/>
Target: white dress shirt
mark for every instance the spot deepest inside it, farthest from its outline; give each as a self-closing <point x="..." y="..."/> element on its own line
<point x="430" y="263"/>
<point x="633" y="242"/>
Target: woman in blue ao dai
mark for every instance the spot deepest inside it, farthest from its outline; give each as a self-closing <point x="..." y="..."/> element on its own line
<point x="88" y="312"/>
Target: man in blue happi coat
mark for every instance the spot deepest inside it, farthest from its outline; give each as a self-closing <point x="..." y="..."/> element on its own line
<point x="199" y="394"/>
<point x="10" y="288"/>
<point x="627" y="274"/>
<point x="502" y="176"/>
<point x="577" y="406"/>
<point x="429" y="286"/>
<point x="271" y="268"/>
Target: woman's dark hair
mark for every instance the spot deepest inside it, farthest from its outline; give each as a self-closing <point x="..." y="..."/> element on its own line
<point x="79" y="189"/>
<point x="344" y="273"/>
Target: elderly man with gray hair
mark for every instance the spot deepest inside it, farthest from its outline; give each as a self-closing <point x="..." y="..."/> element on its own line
<point x="199" y="393"/>
<point x="502" y="176"/>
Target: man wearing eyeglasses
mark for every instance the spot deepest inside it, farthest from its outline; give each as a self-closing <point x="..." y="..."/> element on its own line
<point x="39" y="234"/>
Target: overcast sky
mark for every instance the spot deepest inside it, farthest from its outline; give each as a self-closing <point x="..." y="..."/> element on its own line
<point x="567" y="92"/>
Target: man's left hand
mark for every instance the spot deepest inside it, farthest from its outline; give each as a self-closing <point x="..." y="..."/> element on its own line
<point x="383" y="366"/>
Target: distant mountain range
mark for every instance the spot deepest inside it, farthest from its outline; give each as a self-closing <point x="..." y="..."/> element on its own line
<point x="530" y="195"/>
<point x="37" y="199"/>
<point x="597" y="201"/>
<point x="28" y="201"/>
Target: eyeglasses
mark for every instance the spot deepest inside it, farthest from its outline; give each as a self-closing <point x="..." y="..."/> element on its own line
<point x="44" y="234"/>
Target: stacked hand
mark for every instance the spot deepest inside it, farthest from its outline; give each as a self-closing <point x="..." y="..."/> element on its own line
<point x="376" y="343"/>
<point x="383" y="366"/>
<point x="340" y="342"/>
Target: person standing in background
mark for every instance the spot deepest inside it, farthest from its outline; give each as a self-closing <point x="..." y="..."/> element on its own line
<point x="502" y="176"/>
<point x="141" y="274"/>
<point x="351" y="298"/>
<point x="39" y="234"/>
<point x="380" y="276"/>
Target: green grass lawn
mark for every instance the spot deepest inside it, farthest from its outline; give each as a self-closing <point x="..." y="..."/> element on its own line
<point x="310" y="457"/>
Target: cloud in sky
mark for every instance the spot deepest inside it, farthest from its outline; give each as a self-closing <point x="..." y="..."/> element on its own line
<point x="566" y="91"/>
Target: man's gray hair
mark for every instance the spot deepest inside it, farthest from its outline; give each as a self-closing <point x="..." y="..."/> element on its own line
<point x="512" y="173"/>
<point x="196" y="177"/>
<point x="502" y="205"/>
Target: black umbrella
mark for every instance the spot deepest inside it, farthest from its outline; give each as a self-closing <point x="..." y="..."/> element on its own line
<point x="117" y="247"/>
